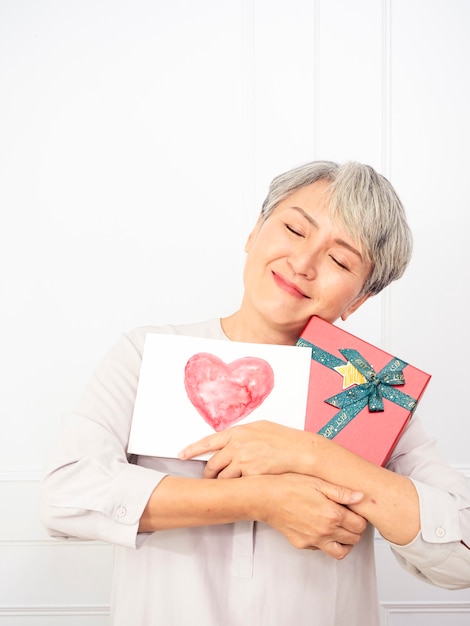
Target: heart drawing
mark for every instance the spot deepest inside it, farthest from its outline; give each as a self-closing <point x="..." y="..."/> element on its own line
<point x="226" y="393"/>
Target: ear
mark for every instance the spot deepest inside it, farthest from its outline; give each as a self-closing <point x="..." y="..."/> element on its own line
<point x="253" y="233"/>
<point x="354" y="306"/>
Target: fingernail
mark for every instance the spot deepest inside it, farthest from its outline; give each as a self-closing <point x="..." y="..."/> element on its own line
<point x="356" y="496"/>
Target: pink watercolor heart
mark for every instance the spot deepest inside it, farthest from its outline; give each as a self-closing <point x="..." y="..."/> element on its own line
<point x="226" y="393"/>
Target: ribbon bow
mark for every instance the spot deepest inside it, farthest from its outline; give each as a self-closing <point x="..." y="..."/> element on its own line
<point x="371" y="393"/>
<point x="377" y="386"/>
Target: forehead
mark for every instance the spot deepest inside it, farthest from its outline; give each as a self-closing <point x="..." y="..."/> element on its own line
<point x="313" y="196"/>
<point x="312" y="202"/>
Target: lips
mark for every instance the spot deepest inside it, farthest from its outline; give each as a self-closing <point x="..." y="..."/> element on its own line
<point x="288" y="286"/>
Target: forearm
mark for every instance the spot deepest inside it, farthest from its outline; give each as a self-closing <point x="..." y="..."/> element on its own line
<point x="185" y="502"/>
<point x="390" y="501"/>
<point x="306" y="510"/>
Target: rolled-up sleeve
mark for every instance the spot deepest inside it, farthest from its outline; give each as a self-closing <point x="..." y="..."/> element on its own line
<point x="90" y="489"/>
<point x="439" y="553"/>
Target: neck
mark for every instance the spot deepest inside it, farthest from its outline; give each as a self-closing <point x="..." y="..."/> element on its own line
<point x="238" y="328"/>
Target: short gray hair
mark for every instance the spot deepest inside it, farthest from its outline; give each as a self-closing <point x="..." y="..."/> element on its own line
<point x="366" y="204"/>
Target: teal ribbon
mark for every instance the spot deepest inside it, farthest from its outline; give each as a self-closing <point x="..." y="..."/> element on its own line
<point x="371" y="393"/>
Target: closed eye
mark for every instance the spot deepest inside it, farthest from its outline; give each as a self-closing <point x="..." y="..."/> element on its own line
<point x="342" y="265"/>
<point x="293" y="230"/>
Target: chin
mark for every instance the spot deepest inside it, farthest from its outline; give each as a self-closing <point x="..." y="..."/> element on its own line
<point x="288" y="323"/>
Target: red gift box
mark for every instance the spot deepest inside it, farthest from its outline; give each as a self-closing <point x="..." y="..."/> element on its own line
<point x="359" y="395"/>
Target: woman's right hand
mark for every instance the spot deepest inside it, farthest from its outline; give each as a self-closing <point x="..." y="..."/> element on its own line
<point x="312" y="513"/>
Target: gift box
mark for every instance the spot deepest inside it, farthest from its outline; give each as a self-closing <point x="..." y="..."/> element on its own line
<point x="359" y="396"/>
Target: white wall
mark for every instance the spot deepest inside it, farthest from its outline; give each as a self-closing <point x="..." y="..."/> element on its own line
<point x="137" y="140"/>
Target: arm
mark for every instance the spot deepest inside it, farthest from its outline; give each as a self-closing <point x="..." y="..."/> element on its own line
<point x="439" y="510"/>
<point x="419" y="504"/>
<point x="440" y="553"/>
<point x="390" y="501"/>
<point x="91" y="491"/>
<point x="308" y="511"/>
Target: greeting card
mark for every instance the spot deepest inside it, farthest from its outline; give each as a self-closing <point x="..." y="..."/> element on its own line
<point x="190" y="387"/>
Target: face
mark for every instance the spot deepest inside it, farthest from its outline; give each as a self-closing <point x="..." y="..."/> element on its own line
<point x="300" y="263"/>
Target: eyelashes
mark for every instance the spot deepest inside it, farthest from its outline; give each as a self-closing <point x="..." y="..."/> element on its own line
<point x="298" y="233"/>
<point x="293" y="231"/>
<point x="341" y="265"/>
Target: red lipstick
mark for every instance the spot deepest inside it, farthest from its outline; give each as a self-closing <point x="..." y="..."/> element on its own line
<point x="288" y="286"/>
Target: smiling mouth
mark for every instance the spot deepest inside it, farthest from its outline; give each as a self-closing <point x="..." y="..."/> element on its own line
<point x="289" y="287"/>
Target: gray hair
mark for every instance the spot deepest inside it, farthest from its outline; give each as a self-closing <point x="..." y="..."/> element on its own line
<point x="366" y="204"/>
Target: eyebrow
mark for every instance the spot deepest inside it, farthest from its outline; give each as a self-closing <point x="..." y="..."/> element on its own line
<point x="315" y="224"/>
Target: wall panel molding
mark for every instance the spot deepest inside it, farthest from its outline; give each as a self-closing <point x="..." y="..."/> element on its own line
<point x="449" y="612"/>
<point x="20" y="474"/>
<point x="50" y="543"/>
<point x="426" y="607"/>
<point x="54" y="610"/>
<point x="465" y="469"/>
<point x="386" y="157"/>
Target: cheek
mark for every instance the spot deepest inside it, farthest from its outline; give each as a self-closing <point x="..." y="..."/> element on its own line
<point x="337" y="295"/>
<point x="251" y="268"/>
<point x="262" y="252"/>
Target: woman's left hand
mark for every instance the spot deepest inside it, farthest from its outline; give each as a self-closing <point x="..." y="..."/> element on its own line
<point x="252" y="449"/>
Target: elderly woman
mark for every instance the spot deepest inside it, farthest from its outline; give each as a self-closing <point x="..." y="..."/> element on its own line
<point x="287" y="537"/>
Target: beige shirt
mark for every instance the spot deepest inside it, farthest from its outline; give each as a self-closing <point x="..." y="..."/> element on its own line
<point x="231" y="574"/>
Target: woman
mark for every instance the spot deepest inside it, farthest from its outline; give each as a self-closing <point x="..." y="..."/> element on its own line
<point x="287" y="538"/>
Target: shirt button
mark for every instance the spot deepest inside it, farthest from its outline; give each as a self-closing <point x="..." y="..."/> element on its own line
<point x="440" y="532"/>
<point x="121" y="511"/>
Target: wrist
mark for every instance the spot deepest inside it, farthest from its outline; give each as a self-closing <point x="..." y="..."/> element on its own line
<point x="254" y="496"/>
<point x="306" y="454"/>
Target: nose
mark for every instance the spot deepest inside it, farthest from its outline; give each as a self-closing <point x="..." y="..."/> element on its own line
<point x="304" y="262"/>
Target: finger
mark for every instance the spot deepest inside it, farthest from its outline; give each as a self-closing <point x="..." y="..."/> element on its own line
<point x="230" y="472"/>
<point x="337" y="550"/>
<point x="341" y="495"/>
<point x="353" y="522"/>
<point x="345" y="537"/>
<point x="216" y="464"/>
<point x="211" y="443"/>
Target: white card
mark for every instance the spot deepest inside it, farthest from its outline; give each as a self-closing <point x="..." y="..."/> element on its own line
<point x="190" y="387"/>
